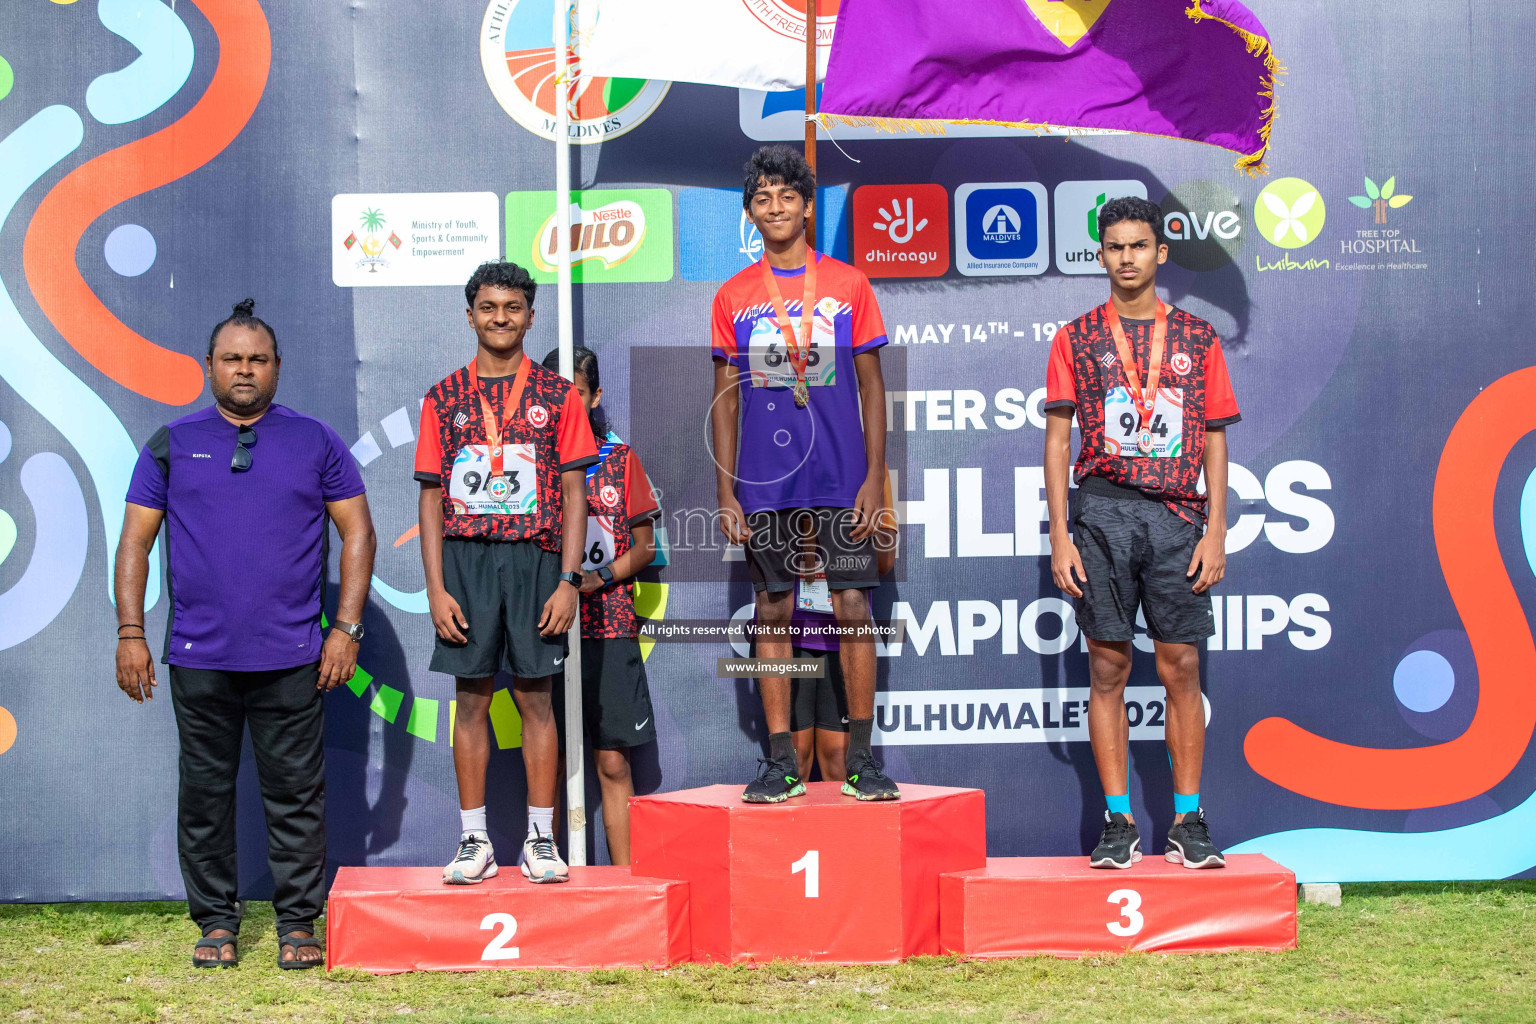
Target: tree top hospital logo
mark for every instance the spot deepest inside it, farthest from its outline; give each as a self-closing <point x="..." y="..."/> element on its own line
<point x="1000" y="228"/>
<point x="1290" y="213"/>
<point x="517" y="54"/>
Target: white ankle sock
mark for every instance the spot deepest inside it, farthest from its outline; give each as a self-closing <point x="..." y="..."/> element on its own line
<point x="473" y="821"/>
<point x="542" y="818"/>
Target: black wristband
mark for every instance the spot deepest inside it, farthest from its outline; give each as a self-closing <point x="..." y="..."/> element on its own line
<point x="130" y="625"/>
<point x="139" y="637"/>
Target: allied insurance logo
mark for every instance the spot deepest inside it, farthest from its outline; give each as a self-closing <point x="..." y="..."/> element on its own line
<point x="901" y="230"/>
<point x="616" y="234"/>
<point x="517" y="54"/>
<point x="1000" y="228"/>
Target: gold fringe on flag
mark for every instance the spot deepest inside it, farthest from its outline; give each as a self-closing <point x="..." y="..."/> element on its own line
<point x="1251" y="163"/>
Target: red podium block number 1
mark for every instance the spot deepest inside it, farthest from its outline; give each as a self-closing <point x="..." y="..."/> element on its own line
<point x="811" y="865"/>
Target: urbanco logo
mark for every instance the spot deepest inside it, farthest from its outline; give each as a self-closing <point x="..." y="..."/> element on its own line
<point x="901" y="230"/>
<point x="1290" y="213"/>
<point x="1077" y="220"/>
<point x="517" y="55"/>
<point x="1381" y="199"/>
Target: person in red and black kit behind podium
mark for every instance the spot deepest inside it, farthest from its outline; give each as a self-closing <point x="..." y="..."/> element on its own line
<point x="1149" y="387"/>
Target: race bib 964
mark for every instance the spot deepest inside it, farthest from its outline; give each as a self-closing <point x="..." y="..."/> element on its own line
<point x="1122" y="426"/>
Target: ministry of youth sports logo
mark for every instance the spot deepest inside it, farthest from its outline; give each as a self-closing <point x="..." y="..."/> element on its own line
<point x="517" y="54"/>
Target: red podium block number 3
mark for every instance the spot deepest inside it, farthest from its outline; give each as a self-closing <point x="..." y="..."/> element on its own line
<point x="1130" y="921"/>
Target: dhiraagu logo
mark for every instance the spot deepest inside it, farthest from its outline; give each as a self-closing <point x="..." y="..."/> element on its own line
<point x="1289" y="213"/>
<point x="616" y="234"/>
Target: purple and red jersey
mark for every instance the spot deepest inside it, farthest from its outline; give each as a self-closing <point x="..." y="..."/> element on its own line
<point x="536" y="408"/>
<point x="790" y="457"/>
<point x="1193" y="386"/>
<point x="619" y="497"/>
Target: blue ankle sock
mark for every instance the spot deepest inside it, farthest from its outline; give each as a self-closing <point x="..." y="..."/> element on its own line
<point x="1186" y="803"/>
<point x="1118" y="804"/>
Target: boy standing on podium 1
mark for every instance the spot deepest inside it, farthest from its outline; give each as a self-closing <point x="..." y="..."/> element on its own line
<point x="501" y="457"/>
<point x="1150" y="389"/>
<point x="795" y="340"/>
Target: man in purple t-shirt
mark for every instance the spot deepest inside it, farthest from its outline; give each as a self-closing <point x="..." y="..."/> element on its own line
<point x="245" y="489"/>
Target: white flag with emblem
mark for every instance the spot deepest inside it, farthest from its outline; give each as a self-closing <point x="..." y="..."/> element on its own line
<point x="749" y="44"/>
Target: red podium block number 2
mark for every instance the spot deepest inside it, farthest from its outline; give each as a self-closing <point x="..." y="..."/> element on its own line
<point x="498" y="948"/>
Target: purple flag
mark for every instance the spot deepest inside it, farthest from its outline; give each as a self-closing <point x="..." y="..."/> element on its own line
<point x="1188" y="69"/>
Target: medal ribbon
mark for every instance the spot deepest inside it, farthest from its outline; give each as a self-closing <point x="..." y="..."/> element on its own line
<point x="1144" y="399"/>
<point x="488" y="415"/>
<point x="798" y="349"/>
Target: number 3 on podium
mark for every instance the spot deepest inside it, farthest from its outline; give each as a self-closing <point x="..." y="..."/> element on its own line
<point x="811" y="865"/>
<point x="1130" y="901"/>
<point x="497" y="948"/>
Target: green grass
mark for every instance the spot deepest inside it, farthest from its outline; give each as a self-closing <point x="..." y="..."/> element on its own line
<point x="1405" y="952"/>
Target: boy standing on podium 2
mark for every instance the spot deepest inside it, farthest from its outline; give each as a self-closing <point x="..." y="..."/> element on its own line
<point x="1150" y="389"/>
<point x="795" y="340"/>
<point x="501" y="456"/>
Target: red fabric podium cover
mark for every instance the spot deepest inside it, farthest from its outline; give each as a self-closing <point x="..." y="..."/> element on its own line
<point x="822" y="877"/>
<point x="1016" y="906"/>
<point x="387" y="920"/>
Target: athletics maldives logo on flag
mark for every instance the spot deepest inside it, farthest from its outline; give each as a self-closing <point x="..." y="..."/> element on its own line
<point x="901" y="230"/>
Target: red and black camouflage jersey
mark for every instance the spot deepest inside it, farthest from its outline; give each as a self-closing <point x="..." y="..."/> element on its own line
<point x="619" y="497"/>
<point x="1084" y="365"/>
<point x="536" y="407"/>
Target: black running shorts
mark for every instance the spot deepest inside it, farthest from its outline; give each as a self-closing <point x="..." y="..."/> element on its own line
<point x="1136" y="552"/>
<point x="819" y="703"/>
<point x="777" y="553"/>
<point x="501" y="587"/>
<point x="616" y="698"/>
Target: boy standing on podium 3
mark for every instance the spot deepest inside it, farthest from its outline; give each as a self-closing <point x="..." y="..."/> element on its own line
<point x="501" y="457"/>
<point x="795" y="340"/>
<point x="1150" y="389"/>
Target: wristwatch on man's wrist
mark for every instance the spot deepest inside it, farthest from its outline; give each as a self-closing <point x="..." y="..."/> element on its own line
<point x="573" y="578"/>
<point x="352" y="629"/>
<point x="606" y="572"/>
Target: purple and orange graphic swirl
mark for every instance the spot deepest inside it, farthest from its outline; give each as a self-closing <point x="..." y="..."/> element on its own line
<point x="87" y="192"/>
<point x="1495" y="622"/>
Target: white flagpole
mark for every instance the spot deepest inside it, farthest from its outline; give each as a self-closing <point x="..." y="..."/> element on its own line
<point x="575" y="746"/>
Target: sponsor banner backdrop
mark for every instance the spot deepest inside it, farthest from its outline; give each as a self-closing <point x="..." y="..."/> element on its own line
<point x="1369" y="685"/>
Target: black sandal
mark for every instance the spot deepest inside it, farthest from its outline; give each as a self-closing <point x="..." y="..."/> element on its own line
<point x="296" y="943"/>
<point x="217" y="942"/>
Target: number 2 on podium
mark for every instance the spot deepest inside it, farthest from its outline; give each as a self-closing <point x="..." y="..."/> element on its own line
<point x="497" y="948"/>
<point x="811" y="865"/>
<point x="1130" y="902"/>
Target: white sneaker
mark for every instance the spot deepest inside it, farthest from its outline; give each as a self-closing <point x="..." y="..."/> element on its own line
<point x="474" y="863"/>
<point x="541" y="861"/>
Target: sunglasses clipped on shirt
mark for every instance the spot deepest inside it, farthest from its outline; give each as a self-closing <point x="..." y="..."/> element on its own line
<point x="242" y="460"/>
